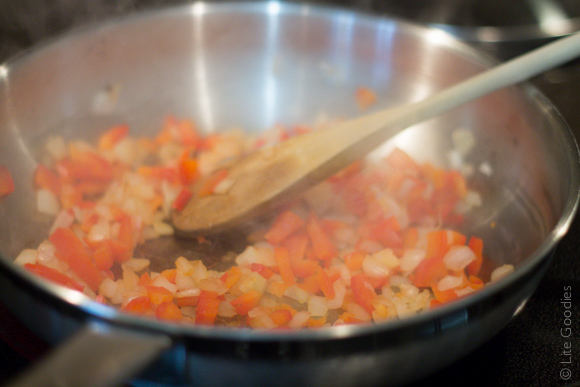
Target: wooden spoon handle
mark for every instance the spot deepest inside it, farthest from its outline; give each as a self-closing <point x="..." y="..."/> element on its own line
<point x="274" y="174"/>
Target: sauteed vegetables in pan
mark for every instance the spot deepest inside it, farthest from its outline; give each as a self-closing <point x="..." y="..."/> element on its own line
<point x="374" y="242"/>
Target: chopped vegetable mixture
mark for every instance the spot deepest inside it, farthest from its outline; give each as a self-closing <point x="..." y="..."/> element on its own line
<point x="376" y="241"/>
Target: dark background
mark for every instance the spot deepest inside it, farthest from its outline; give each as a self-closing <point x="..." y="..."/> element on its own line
<point x="527" y="352"/>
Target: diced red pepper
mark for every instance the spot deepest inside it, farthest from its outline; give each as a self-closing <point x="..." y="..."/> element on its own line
<point x="323" y="247"/>
<point x="158" y="294"/>
<point x="354" y="260"/>
<point x="138" y="305"/>
<point x="182" y="199"/>
<point x="6" y="181"/>
<point x="168" y="311"/>
<point x="476" y="245"/>
<point x="161" y="173"/>
<point x="363" y="292"/>
<point x="123" y="245"/>
<point x="54" y="275"/>
<point x="365" y="97"/>
<point x="71" y="249"/>
<point x="432" y="269"/>
<point x="324" y="283"/>
<point x="113" y="136"/>
<point x="246" y="302"/>
<point x="262" y="270"/>
<point x="47" y="179"/>
<point x="186" y="301"/>
<point x="281" y="316"/>
<point x="284" y="225"/>
<point x="212" y="182"/>
<point x="103" y="256"/>
<point x="283" y="261"/>
<point x="231" y="276"/>
<point x="207" y="308"/>
<point x="187" y="169"/>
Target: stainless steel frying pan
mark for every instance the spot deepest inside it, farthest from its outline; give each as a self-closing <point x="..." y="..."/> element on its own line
<point x="253" y="65"/>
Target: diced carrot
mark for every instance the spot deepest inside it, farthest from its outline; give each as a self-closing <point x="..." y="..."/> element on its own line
<point x="210" y="183"/>
<point x="158" y="294"/>
<point x="103" y="256"/>
<point x="281" y="316"/>
<point x="207" y="308"/>
<point x="70" y="248"/>
<point x="354" y="260"/>
<point x="187" y="169"/>
<point x="283" y="261"/>
<point x="365" y="97"/>
<point x="182" y="199"/>
<point x="323" y="247"/>
<point x="363" y="292"/>
<point x="47" y="179"/>
<point x="54" y="275"/>
<point x="324" y="283"/>
<point x="168" y="311"/>
<point x="285" y="225"/>
<point x="246" y="302"/>
<point x="138" y="305"/>
<point x="476" y="245"/>
<point x="316" y="322"/>
<point x="6" y="181"/>
<point x="113" y="136"/>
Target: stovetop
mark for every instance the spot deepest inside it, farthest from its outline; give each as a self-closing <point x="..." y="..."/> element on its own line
<point x="530" y="351"/>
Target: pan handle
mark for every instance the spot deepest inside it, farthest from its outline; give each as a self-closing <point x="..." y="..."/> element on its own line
<point x="96" y="356"/>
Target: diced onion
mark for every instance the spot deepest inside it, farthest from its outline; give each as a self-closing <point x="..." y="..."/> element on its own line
<point x="358" y="311"/>
<point x="449" y="282"/>
<point x="411" y="259"/>
<point x="47" y="202"/>
<point x="163" y="282"/>
<point x="26" y="256"/>
<point x="225" y="309"/>
<point x="137" y="264"/>
<point x="339" y="292"/>
<point x="373" y="268"/>
<point x="299" y="319"/>
<point x="458" y="257"/>
<point x="317" y="306"/>
<point x="501" y="272"/>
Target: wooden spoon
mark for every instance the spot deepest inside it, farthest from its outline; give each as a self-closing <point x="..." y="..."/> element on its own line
<point x="271" y="175"/>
